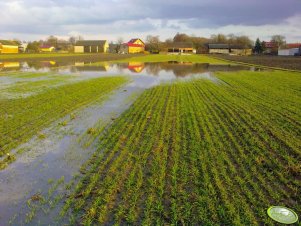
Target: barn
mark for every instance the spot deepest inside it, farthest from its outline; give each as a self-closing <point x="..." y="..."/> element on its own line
<point x="135" y="45"/>
<point x="240" y="50"/>
<point x="181" y="47"/>
<point x="218" y="48"/>
<point x="91" y="46"/>
<point x="8" y="46"/>
<point x="229" y="49"/>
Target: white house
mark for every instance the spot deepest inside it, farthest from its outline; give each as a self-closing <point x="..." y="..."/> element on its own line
<point x="289" y="52"/>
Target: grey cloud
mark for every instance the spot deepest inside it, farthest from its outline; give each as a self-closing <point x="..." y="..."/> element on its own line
<point x="221" y="12"/>
<point x="64" y="16"/>
<point x="214" y="12"/>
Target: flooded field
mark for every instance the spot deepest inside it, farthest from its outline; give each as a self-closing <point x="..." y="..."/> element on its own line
<point x="47" y="165"/>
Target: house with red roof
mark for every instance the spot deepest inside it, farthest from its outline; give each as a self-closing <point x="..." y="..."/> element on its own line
<point x="290" y="49"/>
<point x="293" y="45"/>
<point x="270" y="47"/>
<point x="135" y="45"/>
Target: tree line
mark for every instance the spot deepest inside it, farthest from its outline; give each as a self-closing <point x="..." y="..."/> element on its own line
<point x="58" y="44"/>
<point x="154" y="44"/>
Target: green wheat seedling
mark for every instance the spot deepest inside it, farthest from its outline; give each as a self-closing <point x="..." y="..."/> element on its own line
<point x="26" y="117"/>
<point x="196" y="153"/>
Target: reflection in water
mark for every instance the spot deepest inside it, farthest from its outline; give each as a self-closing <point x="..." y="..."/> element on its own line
<point x="90" y="67"/>
<point x="136" y="67"/>
<point x="187" y="69"/>
<point x="169" y="69"/>
<point x="9" y="65"/>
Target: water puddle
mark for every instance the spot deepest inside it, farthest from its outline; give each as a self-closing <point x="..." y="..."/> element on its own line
<point x="60" y="153"/>
<point x="29" y="78"/>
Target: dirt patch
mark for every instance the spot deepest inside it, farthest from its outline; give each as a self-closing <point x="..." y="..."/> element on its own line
<point x="286" y="62"/>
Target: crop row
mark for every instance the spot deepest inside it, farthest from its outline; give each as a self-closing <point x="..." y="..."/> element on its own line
<point x="24" y="117"/>
<point x="197" y="153"/>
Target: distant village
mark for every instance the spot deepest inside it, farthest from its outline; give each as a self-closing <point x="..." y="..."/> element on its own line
<point x="180" y="44"/>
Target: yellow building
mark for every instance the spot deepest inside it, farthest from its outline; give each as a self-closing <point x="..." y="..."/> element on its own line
<point x="91" y="46"/>
<point x="8" y="46"/>
<point x="47" y="49"/>
<point x="135" y="45"/>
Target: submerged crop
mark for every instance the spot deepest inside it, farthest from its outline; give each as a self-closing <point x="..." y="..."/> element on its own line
<point x="23" y="118"/>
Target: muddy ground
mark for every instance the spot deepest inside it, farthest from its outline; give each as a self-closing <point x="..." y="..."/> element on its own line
<point x="287" y="62"/>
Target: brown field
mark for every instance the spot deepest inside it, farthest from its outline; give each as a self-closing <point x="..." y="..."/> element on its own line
<point x="292" y="63"/>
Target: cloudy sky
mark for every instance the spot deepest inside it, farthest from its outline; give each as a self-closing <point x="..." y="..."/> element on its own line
<point x="110" y="19"/>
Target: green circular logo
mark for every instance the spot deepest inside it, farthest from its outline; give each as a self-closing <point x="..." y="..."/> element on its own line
<point x="282" y="215"/>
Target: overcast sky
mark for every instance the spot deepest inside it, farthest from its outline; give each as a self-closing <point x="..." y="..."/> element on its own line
<point x="111" y="19"/>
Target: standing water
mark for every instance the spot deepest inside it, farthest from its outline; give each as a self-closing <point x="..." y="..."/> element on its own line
<point x="45" y="164"/>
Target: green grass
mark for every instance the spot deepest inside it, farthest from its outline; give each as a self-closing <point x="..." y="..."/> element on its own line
<point x="198" y="153"/>
<point x="22" y="118"/>
<point x="180" y="58"/>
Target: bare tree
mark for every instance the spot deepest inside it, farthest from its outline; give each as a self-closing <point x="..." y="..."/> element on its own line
<point x="72" y="40"/>
<point x="244" y="41"/>
<point x="181" y="38"/>
<point x="219" y="38"/>
<point x="279" y="39"/>
<point x="119" y="44"/>
<point x="52" y="40"/>
<point x="153" y="43"/>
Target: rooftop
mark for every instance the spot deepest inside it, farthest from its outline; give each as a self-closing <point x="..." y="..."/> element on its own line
<point x="91" y="43"/>
<point x="218" y="46"/>
<point x="133" y="40"/>
<point x="7" y="42"/>
<point x="180" y="45"/>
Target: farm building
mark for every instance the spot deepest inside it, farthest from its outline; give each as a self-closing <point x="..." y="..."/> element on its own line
<point x="181" y="47"/>
<point x="229" y="49"/>
<point x="8" y="46"/>
<point x="219" y="48"/>
<point x="91" y="46"/>
<point x="293" y="45"/>
<point x="135" y="45"/>
<point x="290" y="52"/>
<point x="240" y="50"/>
<point x="46" y="48"/>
